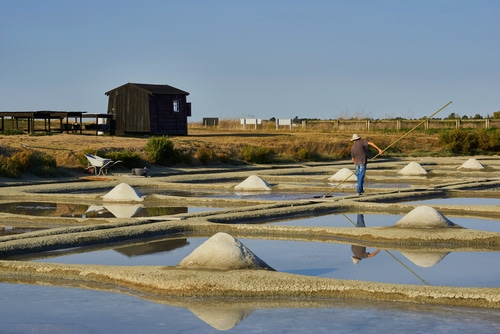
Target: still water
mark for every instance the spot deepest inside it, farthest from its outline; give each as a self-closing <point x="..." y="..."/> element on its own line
<point x="41" y="309"/>
<point x="323" y="259"/>
<point x="44" y="309"/>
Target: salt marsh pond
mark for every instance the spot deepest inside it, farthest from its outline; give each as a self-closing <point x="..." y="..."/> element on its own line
<point x="292" y="227"/>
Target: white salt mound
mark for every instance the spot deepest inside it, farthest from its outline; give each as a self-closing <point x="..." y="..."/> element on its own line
<point x="424" y="216"/>
<point x="253" y="182"/>
<point x="413" y="168"/>
<point x="424" y="259"/>
<point x="223" y="252"/>
<point x="345" y="174"/>
<point x="472" y="164"/>
<point x="123" y="193"/>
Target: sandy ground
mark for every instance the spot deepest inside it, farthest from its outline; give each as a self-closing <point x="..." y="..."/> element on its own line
<point x="158" y="283"/>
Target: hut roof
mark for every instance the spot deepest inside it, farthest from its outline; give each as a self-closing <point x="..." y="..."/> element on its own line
<point x="155" y="89"/>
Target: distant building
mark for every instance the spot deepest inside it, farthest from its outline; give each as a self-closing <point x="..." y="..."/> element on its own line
<point x="149" y="109"/>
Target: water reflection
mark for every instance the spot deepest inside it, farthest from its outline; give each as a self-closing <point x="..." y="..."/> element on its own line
<point x="424" y="259"/>
<point x="152" y="247"/>
<point x="420" y="258"/>
<point x="221" y="316"/>
<point x="119" y="210"/>
<point x="359" y="252"/>
<point x="11" y="230"/>
<point x="44" y="309"/>
<point x="322" y="259"/>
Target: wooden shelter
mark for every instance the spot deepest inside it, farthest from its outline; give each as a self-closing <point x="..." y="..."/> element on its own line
<point x="30" y="118"/>
<point x="149" y="109"/>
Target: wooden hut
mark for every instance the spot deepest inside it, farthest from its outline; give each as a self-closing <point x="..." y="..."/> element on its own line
<point x="149" y="109"/>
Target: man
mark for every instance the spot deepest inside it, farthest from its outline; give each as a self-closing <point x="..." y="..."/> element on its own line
<point x="359" y="154"/>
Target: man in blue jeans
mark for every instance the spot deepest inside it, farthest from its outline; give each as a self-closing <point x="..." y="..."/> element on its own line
<point x="359" y="154"/>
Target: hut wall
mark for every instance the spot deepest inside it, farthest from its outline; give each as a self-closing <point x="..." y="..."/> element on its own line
<point x="166" y="121"/>
<point x="130" y="105"/>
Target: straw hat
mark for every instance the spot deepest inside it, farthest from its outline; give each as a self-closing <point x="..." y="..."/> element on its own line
<point x="355" y="260"/>
<point x="355" y="137"/>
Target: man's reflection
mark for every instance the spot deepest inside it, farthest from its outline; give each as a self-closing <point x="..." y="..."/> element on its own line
<point x="359" y="252"/>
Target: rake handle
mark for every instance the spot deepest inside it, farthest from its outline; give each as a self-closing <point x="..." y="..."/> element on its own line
<point x="392" y="144"/>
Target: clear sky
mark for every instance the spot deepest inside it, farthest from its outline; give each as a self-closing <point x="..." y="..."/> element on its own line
<point x="261" y="58"/>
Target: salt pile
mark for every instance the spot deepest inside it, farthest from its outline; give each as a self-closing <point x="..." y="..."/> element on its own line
<point x="413" y="168"/>
<point x="472" y="164"/>
<point x="424" y="216"/>
<point x="424" y="259"/>
<point x="123" y="193"/>
<point x="253" y="182"/>
<point x="345" y="174"/>
<point x="223" y="252"/>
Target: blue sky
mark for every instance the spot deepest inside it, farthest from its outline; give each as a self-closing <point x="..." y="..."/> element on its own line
<point x="281" y="58"/>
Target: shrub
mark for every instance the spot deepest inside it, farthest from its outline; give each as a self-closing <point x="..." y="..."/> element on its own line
<point x="256" y="154"/>
<point x="460" y="141"/>
<point x="304" y="154"/>
<point x="38" y="163"/>
<point x="205" y="155"/>
<point x="128" y="159"/>
<point x="161" y="151"/>
<point x="42" y="164"/>
<point x="12" y="132"/>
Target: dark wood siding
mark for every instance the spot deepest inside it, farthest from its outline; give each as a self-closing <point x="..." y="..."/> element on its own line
<point x="164" y="120"/>
<point x="142" y="108"/>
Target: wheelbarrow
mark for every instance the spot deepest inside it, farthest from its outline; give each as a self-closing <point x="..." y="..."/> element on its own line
<point x="99" y="166"/>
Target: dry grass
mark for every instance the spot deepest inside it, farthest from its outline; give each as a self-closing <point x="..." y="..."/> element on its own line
<point x="224" y="141"/>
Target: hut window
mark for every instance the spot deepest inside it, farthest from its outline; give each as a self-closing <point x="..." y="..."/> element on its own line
<point x="176" y="105"/>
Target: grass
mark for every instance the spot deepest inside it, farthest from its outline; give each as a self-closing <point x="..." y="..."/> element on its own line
<point x="232" y="145"/>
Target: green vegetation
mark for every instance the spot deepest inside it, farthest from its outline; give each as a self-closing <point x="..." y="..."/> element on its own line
<point x="205" y="155"/>
<point x="161" y="151"/>
<point x="268" y="146"/>
<point x="256" y="154"/>
<point x="37" y="163"/>
<point x="471" y="141"/>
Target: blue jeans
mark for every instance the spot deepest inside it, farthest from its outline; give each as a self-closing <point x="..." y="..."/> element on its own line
<point x="360" y="174"/>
